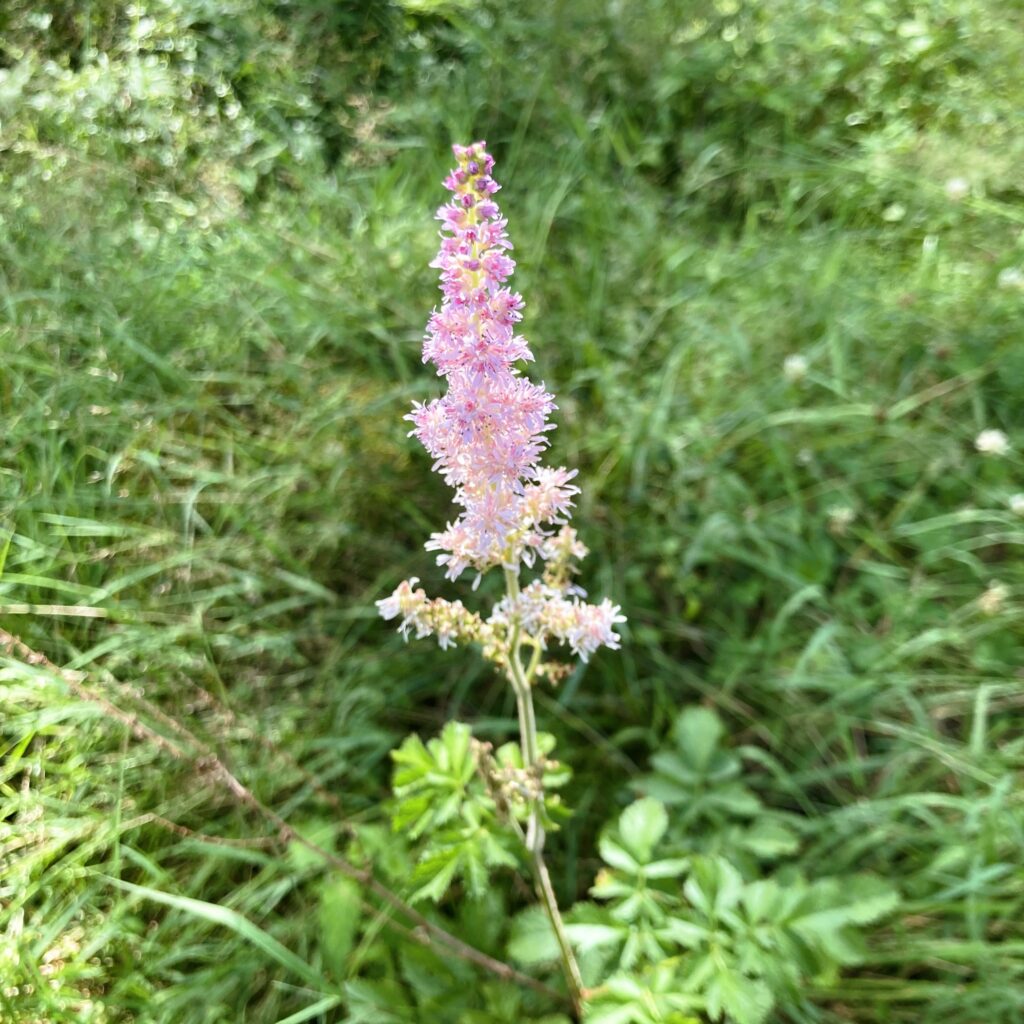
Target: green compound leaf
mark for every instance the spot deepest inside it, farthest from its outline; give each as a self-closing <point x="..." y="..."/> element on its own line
<point x="654" y="997"/>
<point x="468" y="853"/>
<point x="441" y="800"/>
<point x="833" y="907"/>
<point x="432" y="781"/>
<point x="699" y="776"/>
<point x="750" y="943"/>
<point x="728" y="992"/>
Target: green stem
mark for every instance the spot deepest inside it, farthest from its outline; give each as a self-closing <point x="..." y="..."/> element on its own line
<point x="535" y="835"/>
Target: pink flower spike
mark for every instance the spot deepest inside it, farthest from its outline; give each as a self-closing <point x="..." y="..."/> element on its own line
<point x="487" y="434"/>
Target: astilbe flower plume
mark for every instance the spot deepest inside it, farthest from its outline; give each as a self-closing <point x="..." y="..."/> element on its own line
<point x="487" y="435"/>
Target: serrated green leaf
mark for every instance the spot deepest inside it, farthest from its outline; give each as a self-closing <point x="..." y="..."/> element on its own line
<point x="452" y="751"/>
<point x="641" y="825"/>
<point x="467" y="853"/>
<point x="532" y="939"/>
<point x="768" y="839"/>
<point x="745" y="1000"/>
<point x="613" y="854"/>
<point x="714" y="885"/>
<point x="604" y="1011"/>
<point x="833" y="906"/>
<point x="589" y="936"/>
<point x="673" y="867"/>
<point x="653" y="999"/>
<point x="687" y="934"/>
<point x="762" y="900"/>
<point x="697" y="733"/>
<point x="435" y="871"/>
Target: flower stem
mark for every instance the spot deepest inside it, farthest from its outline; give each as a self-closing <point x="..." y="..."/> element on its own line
<point x="535" y="835"/>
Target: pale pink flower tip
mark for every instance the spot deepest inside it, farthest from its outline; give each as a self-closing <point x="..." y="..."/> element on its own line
<point x="488" y="433"/>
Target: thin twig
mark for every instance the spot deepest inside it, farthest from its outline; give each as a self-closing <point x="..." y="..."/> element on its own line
<point x="253" y="842"/>
<point x="307" y="776"/>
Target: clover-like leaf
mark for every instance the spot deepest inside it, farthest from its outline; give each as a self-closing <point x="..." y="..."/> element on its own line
<point x="697" y="775"/>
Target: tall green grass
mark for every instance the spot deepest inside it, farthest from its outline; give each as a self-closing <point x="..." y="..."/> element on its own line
<point x="205" y="482"/>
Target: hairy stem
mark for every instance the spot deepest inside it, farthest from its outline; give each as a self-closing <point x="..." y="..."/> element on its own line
<point x="535" y="835"/>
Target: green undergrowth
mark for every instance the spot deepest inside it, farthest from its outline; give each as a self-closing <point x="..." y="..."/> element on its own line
<point x="209" y="336"/>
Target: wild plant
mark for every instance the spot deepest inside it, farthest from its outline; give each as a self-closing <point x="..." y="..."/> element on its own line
<point x="682" y="925"/>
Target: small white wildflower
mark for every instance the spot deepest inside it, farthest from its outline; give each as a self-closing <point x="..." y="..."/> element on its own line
<point x="1016" y="503"/>
<point x="992" y="442"/>
<point x="930" y="245"/>
<point x="794" y="369"/>
<point x="1011" y="277"/>
<point x="839" y="519"/>
<point x="958" y="189"/>
<point x="992" y="601"/>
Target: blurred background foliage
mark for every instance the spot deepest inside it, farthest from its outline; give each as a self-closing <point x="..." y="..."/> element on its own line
<point x="772" y="257"/>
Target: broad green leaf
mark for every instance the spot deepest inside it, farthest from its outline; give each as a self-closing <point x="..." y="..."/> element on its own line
<point x="588" y="936"/>
<point x="533" y="940"/>
<point x="768" y="839"/>
<point x="762" y="900"/>
<point x="697" y="732"/>
<point x="735" y="799"/>
<point x="688" y="934"/>
<point x="613" y="854"/>
<point x="672" y="867"/>
<point x="714" y="886"/>
<point x="641" y="826"/>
